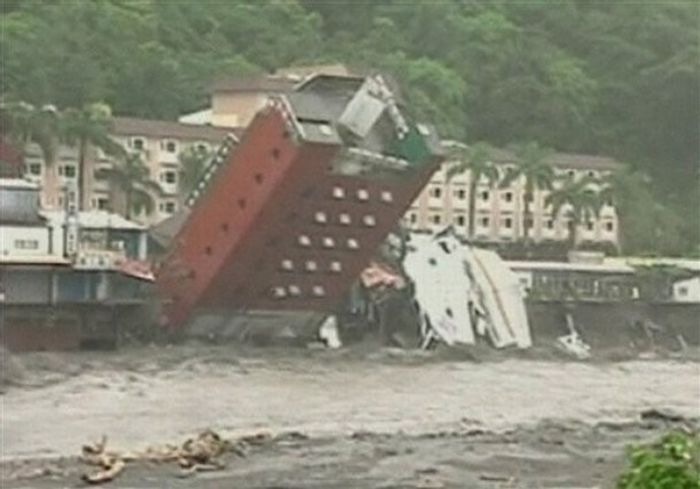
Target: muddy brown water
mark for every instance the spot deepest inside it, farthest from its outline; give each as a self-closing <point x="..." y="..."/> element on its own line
<point x="144" y="396"/>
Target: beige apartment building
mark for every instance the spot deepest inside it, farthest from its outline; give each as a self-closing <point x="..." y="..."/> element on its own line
<point x="158" y="142"/>
<point x="499" y="212"/>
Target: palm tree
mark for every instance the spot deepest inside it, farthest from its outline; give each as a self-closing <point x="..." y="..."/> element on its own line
<point x="131" y="177"/>
<point x="533" y="165"/>
<point x="583" y="202"/>
<point x="24" y="124"/>
<point x="86" y="127"/>
<point x="477" y="160"/>
<point x="193" y="161"/>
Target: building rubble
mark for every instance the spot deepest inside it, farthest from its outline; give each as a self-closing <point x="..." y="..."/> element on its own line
<point x="460" y="295"/>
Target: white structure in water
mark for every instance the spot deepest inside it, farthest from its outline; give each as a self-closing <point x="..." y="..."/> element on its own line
<point x="463" y="293"/>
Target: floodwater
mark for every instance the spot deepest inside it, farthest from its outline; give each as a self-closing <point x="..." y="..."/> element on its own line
<point x="148" y="396"/>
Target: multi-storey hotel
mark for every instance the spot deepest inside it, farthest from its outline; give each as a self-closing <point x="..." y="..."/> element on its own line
<point x="499" y="212"/>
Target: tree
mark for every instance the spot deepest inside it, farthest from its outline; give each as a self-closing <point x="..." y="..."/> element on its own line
<point x="532" y="165"/>
<point x="476" y="160"/>
<point x="24" y="124"/>
<point x="583" y="203"/>
<point x="87" y="127"/>
<point x="193" y="161"/>
<point x="130" y="176"/>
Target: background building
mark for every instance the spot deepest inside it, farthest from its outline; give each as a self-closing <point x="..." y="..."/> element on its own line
<point x="159" y="143"/>
<point x="499" y="212"/>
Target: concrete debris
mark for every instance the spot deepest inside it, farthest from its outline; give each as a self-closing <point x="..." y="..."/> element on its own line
<point x="463" y="293"/>
<point x="574" y="345"/>
<point x="437" y="269"/>
<point x="500" y="298"/>
<point x="328" y="332"/>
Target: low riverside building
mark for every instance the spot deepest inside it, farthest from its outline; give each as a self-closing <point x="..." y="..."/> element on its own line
<point x="66" y="277"/>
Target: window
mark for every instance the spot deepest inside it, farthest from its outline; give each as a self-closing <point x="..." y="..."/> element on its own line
<point x="101" y="203"/>
<point x="338" y="192"/>
<point x="460" y="221"/>
<point x="508" y="196"/>
<point x="485" y="195"/>
<point x="68" y="171"/>
<point x="167" y="207"/>
<point x="589" y="225"/>
<point x="26" y="244"/>
<point x="436" y="192"/>
<point x="609" y="226"/>
<point x="202" y="148"/>
<point x="484" y="222"/>
<point x="34" y="169"/>
<point x="435" y="218"/>
<point x="387" y="196"/>
<point x="571" y="173"/>
<point x="169" y="146"/>
<point x="168" y="177"/>
<point x="138" y="144"/>
<point x="508" y="223"/>
<point x="550" y="224"/>
<point x="591" y="174"/>
<point x="682" y="291"/>
<point x="413" y="218"/>
<point x="461" y="194"/>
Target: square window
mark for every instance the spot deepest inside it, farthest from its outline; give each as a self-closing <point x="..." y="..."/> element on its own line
<point x="168" y="177"/>
<point x="138" y="144"/>
<point x="683" y="291"/>
<point x="436" y="192"/>
<point x="461" y="194"/>
<point x="609" y="226"/>
<point x="484" y="222"/>
<point x="460" y="221"/>
<point x="508" y="196"/>
<point x="169" y="146"/>
<point x="485" y="195"/>
<point x="69" y="171"/>
<point x="102" y="203"/>
<point x="435" y="218"/>
<point x="550" y="224"/>
<point x="589" y="226"/>
<point x="167" y="207"/>
<point x="35" y="168"/>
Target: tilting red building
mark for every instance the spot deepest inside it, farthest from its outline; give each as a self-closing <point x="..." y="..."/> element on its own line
<point x="288" y="218"/>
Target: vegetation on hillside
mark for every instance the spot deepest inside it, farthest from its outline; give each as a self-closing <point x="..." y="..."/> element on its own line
<point x="614" y="78"/>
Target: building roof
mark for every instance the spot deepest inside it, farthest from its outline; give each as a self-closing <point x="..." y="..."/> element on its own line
<point x="131" y="126"/>
<point x="95" y="219"/>
<point x="689" y="264"/>
<point x="33" y="260"/>
<point x="337" y="69"/>
<point x="264" y="83"/>
<point x="563" y="160"/>
<point x="557" y="266"/>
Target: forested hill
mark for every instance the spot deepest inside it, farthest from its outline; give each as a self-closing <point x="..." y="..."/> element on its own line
<point x="617" y="78"/>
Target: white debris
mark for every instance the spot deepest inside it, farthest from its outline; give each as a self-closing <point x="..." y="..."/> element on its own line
<point x="328" y="332"/>
<point x="463" y="292"/>
<point x="436" y="266"/>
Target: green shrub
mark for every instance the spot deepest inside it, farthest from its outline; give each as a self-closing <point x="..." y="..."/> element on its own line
<point x="671" y="463"/>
